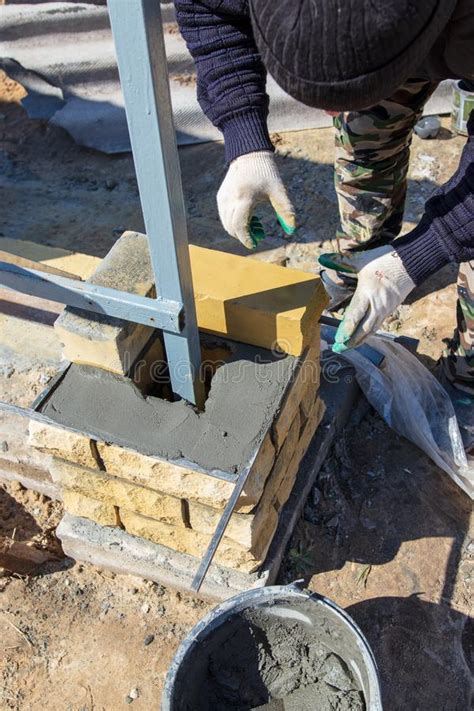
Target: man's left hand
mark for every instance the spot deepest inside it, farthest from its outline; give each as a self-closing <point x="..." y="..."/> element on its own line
<point x="382" y="285"/>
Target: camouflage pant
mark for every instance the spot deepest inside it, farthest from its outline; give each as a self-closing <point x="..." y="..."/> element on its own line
<point x="372" y="155"/>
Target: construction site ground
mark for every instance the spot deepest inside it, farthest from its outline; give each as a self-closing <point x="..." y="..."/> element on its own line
<point x="385" y="533"/>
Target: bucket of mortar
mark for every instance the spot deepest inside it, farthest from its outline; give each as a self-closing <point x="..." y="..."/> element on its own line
<point x="277" y="648"/>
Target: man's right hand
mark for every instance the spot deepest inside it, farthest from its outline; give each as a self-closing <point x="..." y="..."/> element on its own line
<point x="250" y="179"/>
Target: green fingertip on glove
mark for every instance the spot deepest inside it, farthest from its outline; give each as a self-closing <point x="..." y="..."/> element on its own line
<point x="341" y="338"/>
<point x="256" y="231"/>
<point x="339" y="348"/>
<point x="288" y="229"/>
<point x="334" y="260"/>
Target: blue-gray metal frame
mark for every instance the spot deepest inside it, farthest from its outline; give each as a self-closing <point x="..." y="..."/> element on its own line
<point x="159" y="313"/>
<point x="141" y="58"/>
<point x="138" y="35"/>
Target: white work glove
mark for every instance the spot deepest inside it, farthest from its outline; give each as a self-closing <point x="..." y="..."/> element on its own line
<point x="250" y="179"/>
<point x="382" y="285"/>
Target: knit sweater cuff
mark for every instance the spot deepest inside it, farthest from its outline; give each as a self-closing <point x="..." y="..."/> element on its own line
<point x="422" y="252"/>
<point x="245" y="133"/>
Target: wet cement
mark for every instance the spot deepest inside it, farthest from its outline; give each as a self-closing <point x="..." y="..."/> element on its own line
<point x="258" y="660"/>
<point x="244" y="397"/>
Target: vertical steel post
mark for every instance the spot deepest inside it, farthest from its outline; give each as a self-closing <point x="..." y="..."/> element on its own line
<point x="141" y="58"/>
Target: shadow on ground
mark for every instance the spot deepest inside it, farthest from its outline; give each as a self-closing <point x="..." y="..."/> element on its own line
<point x="424" y="652"/>
<point x="368" y="541"/>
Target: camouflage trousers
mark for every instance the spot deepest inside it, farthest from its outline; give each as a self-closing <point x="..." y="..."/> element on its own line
<point x="372" y="156"/>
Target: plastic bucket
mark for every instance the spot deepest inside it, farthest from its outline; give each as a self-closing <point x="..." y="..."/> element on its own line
<point x="463" y="104"/>
<point x="315" y="617"/>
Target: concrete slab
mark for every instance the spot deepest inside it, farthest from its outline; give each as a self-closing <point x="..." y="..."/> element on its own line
<point x="30" y="477"/>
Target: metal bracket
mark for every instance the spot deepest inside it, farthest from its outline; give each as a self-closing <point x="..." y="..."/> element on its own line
<point x="138" y="35"/>
<point x="159" y="313"/>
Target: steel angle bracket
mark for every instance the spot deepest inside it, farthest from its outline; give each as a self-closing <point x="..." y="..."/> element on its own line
<point x="220" y="529"/>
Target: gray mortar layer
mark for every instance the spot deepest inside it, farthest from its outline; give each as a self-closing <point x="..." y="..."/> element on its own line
<point x="245" y="396"/>
<point x="259" y="659"/>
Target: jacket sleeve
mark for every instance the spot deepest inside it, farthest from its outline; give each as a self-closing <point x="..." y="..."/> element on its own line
<point x="230" y="73"/>
<point x="446" y="230"/>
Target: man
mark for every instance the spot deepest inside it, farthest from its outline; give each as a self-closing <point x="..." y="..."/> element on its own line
<point x="373" y="64"/>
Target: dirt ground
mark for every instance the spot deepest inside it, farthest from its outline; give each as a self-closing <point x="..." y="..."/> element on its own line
<point x="385" y="534"/>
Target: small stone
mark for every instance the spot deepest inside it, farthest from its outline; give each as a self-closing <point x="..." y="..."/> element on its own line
<point x="145" y="608"/>
<point x="4" y="446"/>
<point x="335" y="673"/>
<point x="428" y="127"/>
<point x="111" y="184"/>
<point x="134" y="693"/>
<point x="333" y="522"/>
<point x="148" y="639"/>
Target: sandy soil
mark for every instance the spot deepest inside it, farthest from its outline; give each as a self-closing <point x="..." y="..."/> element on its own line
<point x="385" y="534"/>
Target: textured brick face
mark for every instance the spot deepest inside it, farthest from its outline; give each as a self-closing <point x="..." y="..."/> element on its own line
<point x="255" y="302"/>
<point x="86" y="507"/>
<point x="177" y="506"/>
<point x="102" y="341"/>
<point x="61" y="443"/>
<point x="243" y="299"/>
<point x="304" y="386"/>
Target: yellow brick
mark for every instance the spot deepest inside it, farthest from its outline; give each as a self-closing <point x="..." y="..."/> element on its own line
<point x="310" y="427"/>
<point x="61" y="443"/>
<point x="244" y="299"/>
<point x="248" y="530"/>
<point x="79" y="505"/>
<point x="282" y="468"/>
<point x="83" y="265"/>
<point x="307" y="402"/>
<point x="255" y="302"/>
<point x="117" y="492"/>
<point x="102" y="341"/>
<point x="187" y="541"/>
<point x="245" y="529"/>
<point x="261" y="470"/>
<point x="305" y="384"/>
<point x="159" y="474"/>
<point x="185" y="483"/>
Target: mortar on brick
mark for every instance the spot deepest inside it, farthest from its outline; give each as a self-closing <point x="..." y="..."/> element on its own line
<point x="245" y="394"/>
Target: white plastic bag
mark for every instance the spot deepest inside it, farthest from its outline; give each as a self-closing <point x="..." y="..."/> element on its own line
<point x="414" y="404"/>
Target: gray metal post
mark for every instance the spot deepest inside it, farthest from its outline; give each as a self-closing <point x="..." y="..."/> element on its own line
<point x="141" y="58"/>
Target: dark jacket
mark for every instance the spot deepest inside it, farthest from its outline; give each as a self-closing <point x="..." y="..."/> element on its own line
<point x="231" y="92"/>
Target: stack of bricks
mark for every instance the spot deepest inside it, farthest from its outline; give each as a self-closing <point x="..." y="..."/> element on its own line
<point x="176" y="505"/>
